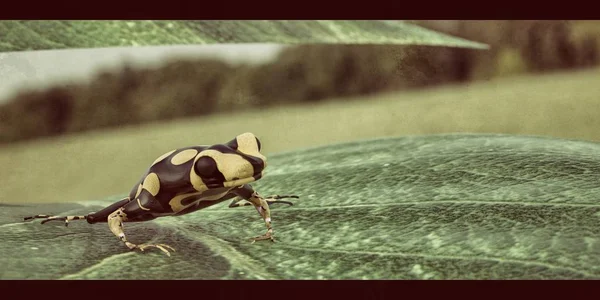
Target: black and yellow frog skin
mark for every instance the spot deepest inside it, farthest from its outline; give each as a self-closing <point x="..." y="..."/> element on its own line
<point x="186" y="180"/>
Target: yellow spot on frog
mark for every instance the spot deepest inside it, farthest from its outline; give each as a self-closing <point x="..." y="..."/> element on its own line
<point x="139" y="190"/>
<point x="162" y="157"/>
<point x="184" y="156"/>
<point x="152" y="184"/>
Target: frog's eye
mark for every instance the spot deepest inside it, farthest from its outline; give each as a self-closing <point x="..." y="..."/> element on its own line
<point x="206" y="167"/>
<point x="233" y="144"/>
<point x="257" y="143"/>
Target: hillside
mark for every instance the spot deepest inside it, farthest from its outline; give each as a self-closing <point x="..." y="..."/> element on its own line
<point x="101" y="163"/>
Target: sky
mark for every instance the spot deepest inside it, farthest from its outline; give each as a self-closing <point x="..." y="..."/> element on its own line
<point x="38" y="69"/>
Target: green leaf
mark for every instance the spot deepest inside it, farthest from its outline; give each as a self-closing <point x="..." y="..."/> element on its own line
<point x="429" y="207"/>
<point x="39" y="35"/>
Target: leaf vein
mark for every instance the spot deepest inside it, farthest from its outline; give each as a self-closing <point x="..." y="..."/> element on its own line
<point x="447" y="257"/>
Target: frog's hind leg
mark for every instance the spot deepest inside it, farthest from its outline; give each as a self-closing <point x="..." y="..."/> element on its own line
<point x="48" y="218"/>
<point x="91" y="218"/>
<point x="137" y="210"/>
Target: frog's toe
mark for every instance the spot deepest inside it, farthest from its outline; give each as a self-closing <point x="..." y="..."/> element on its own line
<point x="56" y="218"/>
<point x="163" y="247"/>
<point x="283" y="196"/>
<point x="167" y="246"/>
<point x="276" y="199"/>
<point x="262" y="238"/>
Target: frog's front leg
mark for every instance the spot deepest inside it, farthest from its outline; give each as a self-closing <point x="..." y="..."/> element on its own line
<point x="263" y="209"/>
<point x="261" y="204"/>
<point x="131" y="211"/>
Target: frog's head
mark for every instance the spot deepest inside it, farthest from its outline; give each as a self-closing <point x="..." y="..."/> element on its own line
<point x="232" y="164"/>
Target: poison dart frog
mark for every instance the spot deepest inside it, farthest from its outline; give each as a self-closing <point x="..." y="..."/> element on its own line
<point x="186" y="180"/>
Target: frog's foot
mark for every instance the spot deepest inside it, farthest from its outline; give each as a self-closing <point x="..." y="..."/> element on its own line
<point x="55" y="218"/>
<point x="266" y="236"/>
<point x="163" y="247"/>
<point x="275" y="199"/>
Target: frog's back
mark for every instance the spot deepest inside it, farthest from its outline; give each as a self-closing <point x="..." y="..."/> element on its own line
<point x="172" y="171"/>
<point x="173" y="168"/>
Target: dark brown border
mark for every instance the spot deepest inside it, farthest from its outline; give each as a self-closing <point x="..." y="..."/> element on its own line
<point x="306" y="9"/>
<point x="297" y="289"/>
<point x="509" y="9"/>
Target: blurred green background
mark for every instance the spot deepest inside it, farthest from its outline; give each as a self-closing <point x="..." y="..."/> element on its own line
<point x="83" y="139"/>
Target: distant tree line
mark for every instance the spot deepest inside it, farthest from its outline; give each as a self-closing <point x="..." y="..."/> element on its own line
<point x="308" y="73"/>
